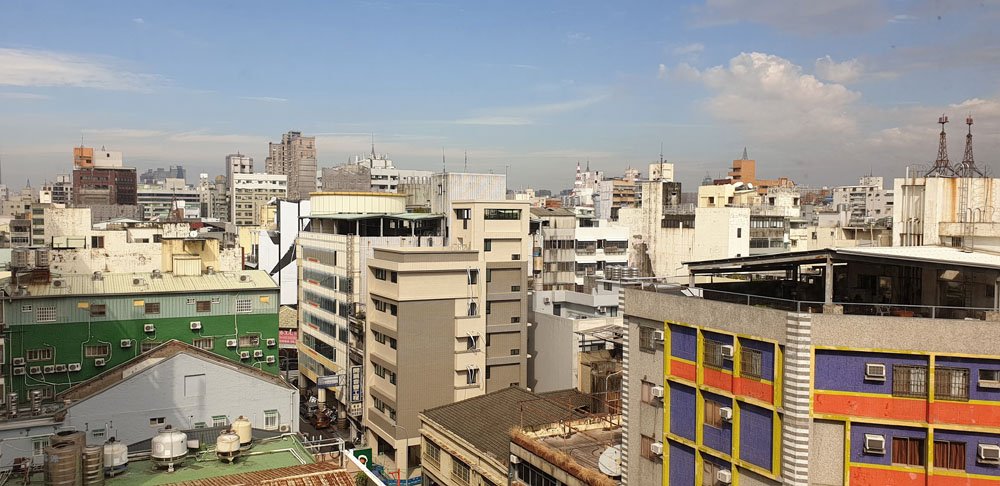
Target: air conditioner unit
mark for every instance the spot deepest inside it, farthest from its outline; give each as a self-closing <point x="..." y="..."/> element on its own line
<point x="656" y="448"/>
<point x="137" y="281"/>
<point x="514" y="459"/>
<point x="874" y="444"/>
<point x="48" y="369"/>
<point x="724" y="476"/>
<point x="270" y="359"/>
<point x="195" y="325"/>
<point x="244" y="354"/>
<point x="726" y="413"/>
<point x="149" y="328"/>
<point x="99" y="362"/>
<point x="58" y="283"/>
<point x="17" y="361"/>
<point x="989" y="453"/>
<point x="726" y="350"/>
<point x="35" y="370"/>
<point x="60" y="368"/>
<point x="19" y="371"/>
<point x="74" y="367"/>
<point x="657" y="392"/>
<point x="126" y="343"/>
<point x="658" y="335"/>
<point x="875" y="371"/>
<point x="284" y="428"/>
<point x="231" y="343"/>
<point x="547" y="301"/>
<point x="258" y="353"/>
<point x="271" y="342"/>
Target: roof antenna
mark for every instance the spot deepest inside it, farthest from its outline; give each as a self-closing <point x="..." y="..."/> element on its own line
<point x="745" y="157"/>
<point x="373" y="145"/>
<point x="444" y="168"/>
<point x="466" y="161"/>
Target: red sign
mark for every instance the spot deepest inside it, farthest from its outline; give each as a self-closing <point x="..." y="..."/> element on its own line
<point x="287" y="337"/>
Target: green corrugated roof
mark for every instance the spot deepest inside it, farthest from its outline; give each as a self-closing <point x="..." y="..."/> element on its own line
<point x="139" y="284"/>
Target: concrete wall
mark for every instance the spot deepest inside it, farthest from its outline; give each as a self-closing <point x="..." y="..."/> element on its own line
<point x="643" y="418"/>
<point x="183" y="389"/>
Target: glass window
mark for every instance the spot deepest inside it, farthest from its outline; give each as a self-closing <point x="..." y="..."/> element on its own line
<point x="949" y="455"/>
<point x="45" y="313"/>
<point x="152" y="307"/>
<point x="460" y="470"/>
<point x="432" y="452"/>
<point x="951" y="384"/>
<point x="270" y="419"/>
<point x="909" y="381"/>
<point x="750" y="363"/>
<point x="98" y="310"/>
<point x="713" y="353"/>
<point x="713" y="416"/>
<point x="203" y="306"/>
<point x="908" y="451"/>
<point x="244" y="306"/>
<point x="204" y="343"/>
<point x="96" y="350"/>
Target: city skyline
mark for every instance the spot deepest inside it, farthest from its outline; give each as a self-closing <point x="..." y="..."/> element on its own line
<point x="821" y="93"/>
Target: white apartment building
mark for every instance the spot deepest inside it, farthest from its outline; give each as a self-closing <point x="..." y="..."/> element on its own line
<point x="866" y="202"/>
<point x="249" y="192"/>
<point x="237" y="164"/>
<point x="947" y="211"/>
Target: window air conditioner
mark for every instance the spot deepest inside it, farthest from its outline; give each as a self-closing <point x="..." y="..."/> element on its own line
<point x="657" y="392"/>
<point x="727" y="351"/>
<point x="875" y="371"/>
<point x="874" y="444"/>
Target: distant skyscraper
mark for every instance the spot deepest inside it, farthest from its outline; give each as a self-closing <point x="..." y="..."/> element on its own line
<point x="237" y="164"/>
<point x="100" y="178"/>
<point x="159" y="175"/>
<point x="295" y="157"/>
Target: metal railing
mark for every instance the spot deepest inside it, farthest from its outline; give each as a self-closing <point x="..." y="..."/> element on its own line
<point x="848" y="308"/>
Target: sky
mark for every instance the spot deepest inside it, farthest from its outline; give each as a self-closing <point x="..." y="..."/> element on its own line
<point x="822" y="92"/>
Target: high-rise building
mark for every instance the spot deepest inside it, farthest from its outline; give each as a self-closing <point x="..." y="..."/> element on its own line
<point x="499" y="230"/>
<point x="99" y="178"/>
<point x="60" y="191"/>
<point x="237" y="164"/>
<point x="295" y="157"/>
<point x="426" y="341"/>
<point x="171" y="199"/>
<point x="248" y="193"/>
<point x="160" y="175"/>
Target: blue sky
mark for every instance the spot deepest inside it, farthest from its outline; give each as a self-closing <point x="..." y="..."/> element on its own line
<point x="819" y="91"/>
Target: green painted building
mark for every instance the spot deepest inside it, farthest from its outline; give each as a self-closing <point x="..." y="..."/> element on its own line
<point x="62" y="330"/>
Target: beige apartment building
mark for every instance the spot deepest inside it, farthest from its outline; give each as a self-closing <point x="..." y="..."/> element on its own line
<point x="426" y="329"/>
<point x="499" y="230"/>
<point x="295" y="157"/>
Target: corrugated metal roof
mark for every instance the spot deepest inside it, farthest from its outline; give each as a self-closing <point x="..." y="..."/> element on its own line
<point x="320" y="473"/>
<point x="144" y="283"/>
<point x="935" y="254"/>
<point x="357" y="216"/>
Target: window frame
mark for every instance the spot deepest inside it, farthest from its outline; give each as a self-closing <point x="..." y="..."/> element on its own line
<point x="712" y="353"/>
<point x="98" y="310"/>
<point x="954" y="452"/>
<point x="947" y="388"/>
<point x="712" y="414"/>
<point x="151" y="308"/>
<point x="96" y="350"/>
<point x="755" y="359"/>
<point x="203" y="306"/>
<point x="913" y="455"/>
<point x="244" y="306"/>
<point x="908" y="387"/>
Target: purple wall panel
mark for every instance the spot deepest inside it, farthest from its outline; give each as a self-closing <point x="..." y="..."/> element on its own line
<point x="845" y="371"/>
<point x="858" y="431"/>
<point x="972" y="441"/>
<point x="756" y="435"/>
<point x="720" y="439"/>
<point x="684" y="342"/>
<point x="682" y="411"/>
<point x="681" y="465"/>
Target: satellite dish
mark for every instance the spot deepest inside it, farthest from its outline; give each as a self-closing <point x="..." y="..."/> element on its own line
<point x="610" y="462"/>
<point x="193" y="234"/>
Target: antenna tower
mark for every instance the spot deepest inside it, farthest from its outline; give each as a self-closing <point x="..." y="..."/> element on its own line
<point x="968" y="168"/>
<point x="942" y="167"/>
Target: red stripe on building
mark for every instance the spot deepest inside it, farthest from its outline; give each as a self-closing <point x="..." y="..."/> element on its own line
<point x="870" y="476"/>
<point x="717" y="379"/>
<point x="965" y="413"/>
<point x="937" y="480"/>
<point x="754" y="389"/>
<point x="864" y="406"/>
<point x="684" y="370"/>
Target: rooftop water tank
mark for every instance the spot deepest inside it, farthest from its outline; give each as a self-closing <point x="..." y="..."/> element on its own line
<point x="62" y="465"/>
<point x="115" y="457"/>
<point x="169" y="447"/>
<point x="42" y="258"/>
<point x="20" y="258"/>
<point x="227" y="446"/>
<point x="93" y="466"/>
<point x="244" y="429"/>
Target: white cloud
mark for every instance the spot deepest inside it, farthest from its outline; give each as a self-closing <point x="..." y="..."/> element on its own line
<point x="138" y="20"/>
<point x="264" y="99"/>
<point x="771" y="97"/>
<point x="661" y="73"/>
<point x="577" y="38"/>
<point x="31" y="67"/>
<point x="845" y="72"/>
<point x="695" y="48"/>
<point x="203" y="137"/>
<point x="23" y="96"/>
<point x="494" y="121"/>
<point x="902" y="19"/>
<point x="113" y="133"/>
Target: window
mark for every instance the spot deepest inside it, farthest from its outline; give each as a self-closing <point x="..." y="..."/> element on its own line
<point x="645" y="447"/>
<point x="645" y="339"/>
<point x="250" y="340"/>
<point x="393" y="309"/>
<point x="45" y="313"/>
<point x="26" y="308"/>
<point x="204" y="343"/>
<point x="951" y="384"/>
<point x="473" y="276"/>
<point x="989" y="378"/>
<point x="149" y="345"/>
<point x="200" y="425"/>
<point x="270" y="419"/>
<point x="432" y="452"/>
<point x="909" y="381"/>
<point x="487" y="245"/>
<point x="157" y="421"/>
<point x="203" y="306"/>
<point x="380" y="273"/>
<point x="96" y="350"/>
<point x="489" y="275"/>
<point x="42" y="354"/>
<point x="949" y="455"/>
<point x="220" y="421"/>
<point x="713" y="354"/>
<point x="472" y="342"/>
<point x="507" y="214"/>
<point x="471" y="376"/>
<point x="97" y="242"/>
<point x="908" y="451"/>
<point x="473" y="311"/>
<point x="515" y="320"/>
<point x="713" y="416"/>
<point x="380" y="305"/>
<point x="515" y="288"/>
<point x="460" y="470"/>
<point x="739" y="232"/>
<point x="152" y="308"/>
<point x="38" y="446"/>
<point x="515" y="256"/>
<point x="98" y="310"/>
<point x="489" y="307"/>
<point x="515" y="352"/>
<point x="750" y="363"/>
<point x="393" y="277"/>
<point x="244" y="306"/>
